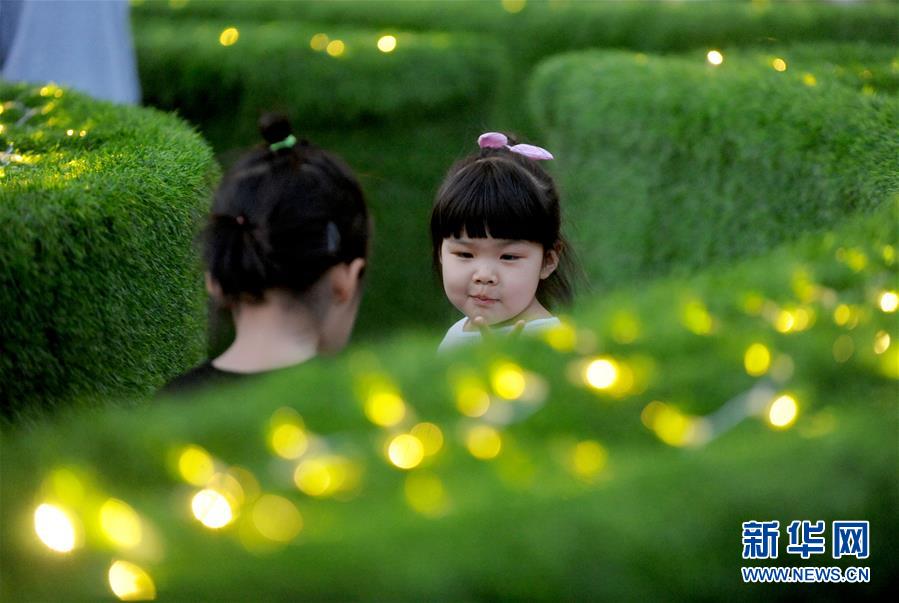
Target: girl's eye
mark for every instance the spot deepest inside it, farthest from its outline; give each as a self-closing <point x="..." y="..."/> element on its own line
<point x="462" y="254"/>
<point x="506" y="256"/>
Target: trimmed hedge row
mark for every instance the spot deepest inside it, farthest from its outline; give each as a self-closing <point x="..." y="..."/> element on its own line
<point x="671" y="163"/>
<point x="100" y="289"/>
<point x="581" y="501"/>
<point x="185" y="66"/>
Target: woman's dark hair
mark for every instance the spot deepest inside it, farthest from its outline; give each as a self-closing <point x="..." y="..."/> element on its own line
<point x="283" y="215"/>
<point x="504" y="195"/>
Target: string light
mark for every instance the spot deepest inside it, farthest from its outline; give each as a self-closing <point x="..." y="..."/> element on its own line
<point x="782" y="412"/>
<point x="779" y="64"/>
<point x="319" y="42"/>
<point x="55" y="528"/>
<point x="483" y="442"/>
<point x="757" y="360"/>
<point x="335" y="48"/>
<point x="130" y="582"/>
<point x="513" y="6"/>
<point x="714" y="57"/>
<point x="888" y="301"/>
<point x="385" y="408"/>
<point x="387" y="43"/>
<point x="229" y="36"/>
<point x="405" y="451"/>
<point x="212" y="509"/>
<point x="120" y="523"/>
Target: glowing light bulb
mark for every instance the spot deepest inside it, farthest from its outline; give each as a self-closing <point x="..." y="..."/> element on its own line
<point x="782" y="412"/>
<point x="130" y="582"/>
<point x="212" y="509"/>
<point x="55" y="528"/>
<point x="387" y="43"/>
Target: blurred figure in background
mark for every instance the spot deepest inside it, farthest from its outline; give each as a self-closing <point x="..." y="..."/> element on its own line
<point x="83" y="44"/>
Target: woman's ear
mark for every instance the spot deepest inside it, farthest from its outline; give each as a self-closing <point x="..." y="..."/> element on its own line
<point x="551" y="260"/>
<point x="213" y="288"/>
<point x="346" y="280"/>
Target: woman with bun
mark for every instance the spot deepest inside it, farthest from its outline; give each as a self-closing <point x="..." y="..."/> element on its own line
<point x="285" y="249"/>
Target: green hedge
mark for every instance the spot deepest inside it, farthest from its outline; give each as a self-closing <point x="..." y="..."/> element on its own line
<point x="100" y="290"/>
<point x="543" y="520"/>
<point x="671" y="163"/>
<point x="184" y="66"/>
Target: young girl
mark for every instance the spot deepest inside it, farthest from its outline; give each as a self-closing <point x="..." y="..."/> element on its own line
<point x="497" y="242"/>
<point x="285" y="248"/>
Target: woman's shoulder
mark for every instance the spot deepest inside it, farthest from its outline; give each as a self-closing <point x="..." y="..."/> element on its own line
<point x="200" y="376"/>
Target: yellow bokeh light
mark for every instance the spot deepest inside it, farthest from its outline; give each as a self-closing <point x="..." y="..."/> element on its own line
<point x="121" y="524"/>
<point x="472" y="400"/>
<point x="843" y="348"/>
<point x="562" y="337"/>
<point x="82" y="133"/>
<point x="809" y="80"/>
<point x="277" y="518"/>
<point x="889" y="362"/>
<point x="714" y="57"/>
<point x="889" y="254"/>
<point x="625" y="327"/>
<point x="753" y="303"/>
<point x="785" y="321"/>
<point x="426" y="494"/>
<point x="385" y="408"/>
<point x="212" y="509"/>
<point x="335" y="48"/>
<point x="782" y="412"/>
<point x="229" y="486"/>
<point x="195" y="465"/>
<point x="779" y="64"/>
<point x="696" y="317"/>
<point x="70" y="132"/>
<point x="589" y="459"/>
<point x="881" y="342"/>
<point x="888" y="301"/>
<point x="405" y="451"/>
<point x="601" y="373"/>
<point x="513" y="6"/>
<point x="842" y="314"/>
<point x="229" y="36"/>
<point x="324" y="476"/>
<point x="130" y="582"/>
<point x="65" y="486"/>
<point x="387" y="43"/>
<point x="508" y="381"/>
<point x="55" y="528"/>
<point x="430" y="436"/>
<point x="757" y="360"/>
<point x="483" y="442"/>
<point x="319" y="42"/>
<point x="289" y="441"/>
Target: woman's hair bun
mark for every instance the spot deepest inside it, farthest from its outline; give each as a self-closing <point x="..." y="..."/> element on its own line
<point x="274" y="127"/>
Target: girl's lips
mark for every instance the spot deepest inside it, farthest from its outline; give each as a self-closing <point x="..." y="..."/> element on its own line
<point x="483" y="301"/>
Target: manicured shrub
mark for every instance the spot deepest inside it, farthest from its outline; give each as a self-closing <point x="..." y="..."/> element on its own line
<point x="100" y="291"/>
<point x="672" y="163"/>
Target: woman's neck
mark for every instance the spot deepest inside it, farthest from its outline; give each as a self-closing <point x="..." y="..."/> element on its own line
<point x="270" y="335"/>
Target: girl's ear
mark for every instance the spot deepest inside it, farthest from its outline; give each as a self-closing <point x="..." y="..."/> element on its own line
<point x="213" y="288"/>
<point x="551" y="260"/>
<point x="346" y="280"/>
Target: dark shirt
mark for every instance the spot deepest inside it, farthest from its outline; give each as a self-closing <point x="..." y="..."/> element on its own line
<point x="200" y="377"/>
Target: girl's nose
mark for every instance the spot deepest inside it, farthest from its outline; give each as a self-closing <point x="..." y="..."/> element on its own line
<point x="484" y="276"/>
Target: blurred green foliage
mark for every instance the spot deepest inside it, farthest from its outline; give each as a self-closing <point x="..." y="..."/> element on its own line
<point x="98" y="207"/>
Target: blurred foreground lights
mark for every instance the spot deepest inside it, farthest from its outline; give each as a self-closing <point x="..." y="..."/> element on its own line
<point x="843" y="348"/>
<point x="472" y="400"/>
<point x="846" y="316"/>
<point x="276" y="518"/>
<point x="674" y="427"/>
<point x="121" y="524"/>
<point x="588" y="459"/>
<point x="889" y="363"/>
<point x="483" y="442"/>
<point x="782" y="412"/>
<point x="714" y="57"/>
<point x="212" y="509"/>
<point x="319" y="42"/>
<point x="779" y="64"/>
<point x="888" y="301"/>
<point x="326" y="475"/>
<point x="562" y="337"/>
<point x="757" y="360"/>
<point x="195" y="465"/>
<point x="70" y="132"/>
<point x="513" y="6"/>
<point x="335" y="48"/>
<point x="696" y="317"/>
<point x="387" y="43"/>
<point x="405" y="451"/>
<point x="881" y="342"/>
<point x="809" y="80"/>
<point x="508" y="381"/>
<point x="287" y="438"/>
<point x="625" y="327"/>
<point x="130" y="582"/>
<point x="426" y="494"/>
<point x="55" y="528"/>
<point x="385" y="408"/>
<point x="229" y="36"/>
<point x="601" y="373"/>
<point x="430" y="436"/>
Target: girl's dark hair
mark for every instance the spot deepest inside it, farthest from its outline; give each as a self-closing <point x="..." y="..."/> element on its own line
<point x="282" y="217"/>
<point x="504" y="195"/>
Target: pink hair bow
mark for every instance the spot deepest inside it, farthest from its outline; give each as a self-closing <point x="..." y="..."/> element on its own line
<point x="497" y="140"/>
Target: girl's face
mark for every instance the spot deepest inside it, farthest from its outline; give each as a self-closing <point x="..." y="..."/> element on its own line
<point x="495" y="279"/>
